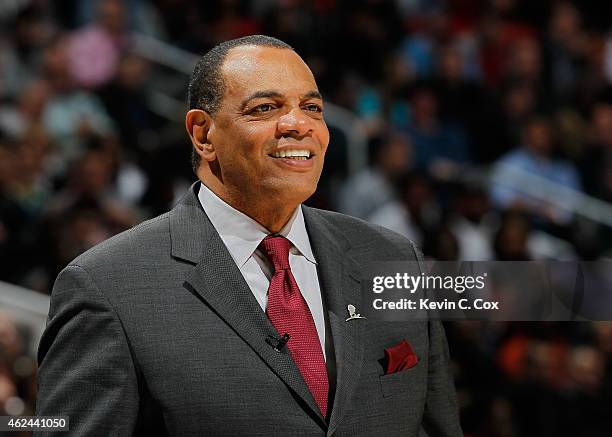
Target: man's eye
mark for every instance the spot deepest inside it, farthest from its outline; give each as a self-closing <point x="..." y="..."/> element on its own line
<point x="313" y="108"/>
<point x="266" y="107"/>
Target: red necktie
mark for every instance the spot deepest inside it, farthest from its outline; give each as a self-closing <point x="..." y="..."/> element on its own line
<point x="289" y="313"/>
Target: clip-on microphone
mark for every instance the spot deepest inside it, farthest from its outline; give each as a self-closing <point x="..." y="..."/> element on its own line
<point x="278" y="343"/>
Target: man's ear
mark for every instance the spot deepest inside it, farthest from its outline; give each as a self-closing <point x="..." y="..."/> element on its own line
<point x="198" y="124"/>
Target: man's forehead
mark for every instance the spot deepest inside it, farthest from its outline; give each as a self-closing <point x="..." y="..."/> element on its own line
<point x="256" y="66"/>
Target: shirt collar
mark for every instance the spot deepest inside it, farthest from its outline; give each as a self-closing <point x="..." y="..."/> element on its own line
<point x="242" y="235"/>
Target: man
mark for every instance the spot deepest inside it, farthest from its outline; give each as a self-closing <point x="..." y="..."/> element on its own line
<point x="535" y="158"/>
<point x="177" y="326"/>
<point x="372" y="187"/>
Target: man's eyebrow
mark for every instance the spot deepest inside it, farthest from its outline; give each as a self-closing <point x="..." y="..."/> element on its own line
<point x="268" y="94"/>
<point x="314" y="94"/>
<point x="271" y="94"/>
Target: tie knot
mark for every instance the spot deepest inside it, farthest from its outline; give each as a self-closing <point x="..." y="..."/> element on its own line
<point x="276" y="249"/>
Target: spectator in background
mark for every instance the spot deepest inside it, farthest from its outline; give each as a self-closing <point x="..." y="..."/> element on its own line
<point x="17" y="117"/>
<point x="518" y="103"/>
<point x="510" y="241"/>
<point x="418" y="47"/>
<point x="465" y="102"/>
<point x="12" y="217"/>
<point x="31" y="149"/>
<point x="476" y="372"/>
<point x="566" y="49"/>
<point x="226" y="19"/>
<point x="387" y="103"/>
<point x="24" y="191"/>
<point x="440" y="243"/>
<point x="8" y="390"/>
<point x="603" y="338"/>
<point x="126" y="99"/>
<point x="498" y="34"/>
<point x="415" y="210"/>
<point x="21" y="44"/>
<point x="535" y="157"/>
<point x="371" y="188"/>
<point x="92" y="182"/>
<point x="367" y="27"/>
<point x="473" y="223"/>
<point x="31" y="187"/>
<point x="71" y="113"/>
<point x="17" y="371"/>
<point x="603" y="342"/>
<point x="291" y="22"/>
<point x="525" y="66"/>
<point x="596" y="165"/>
<point x="142" y="16"/>
<point x="517" y="240"/>
<point x="524" y="63"/>
<point x="93" y="52"/>
<point x="534" y="391"/>
<point x="607" y="61"/>
<point x="440" y="148"/>
<point x="586" y="401"/>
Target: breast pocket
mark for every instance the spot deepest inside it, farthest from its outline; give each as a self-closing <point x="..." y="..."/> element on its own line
<point x="407" y="383"/>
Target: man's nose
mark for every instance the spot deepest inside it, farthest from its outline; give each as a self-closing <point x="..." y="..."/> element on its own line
<point x="295" y="123"/>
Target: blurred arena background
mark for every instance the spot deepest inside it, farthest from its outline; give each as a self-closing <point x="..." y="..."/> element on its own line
<point x="482" y="129"/>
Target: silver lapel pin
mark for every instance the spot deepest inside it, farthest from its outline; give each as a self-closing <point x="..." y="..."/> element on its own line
<point x="352" y="316"/>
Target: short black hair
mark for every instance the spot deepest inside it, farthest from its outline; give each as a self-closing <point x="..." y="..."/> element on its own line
<point x="206" y="86"/>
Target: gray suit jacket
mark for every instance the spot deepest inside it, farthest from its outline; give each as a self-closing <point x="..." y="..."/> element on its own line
<point x="155" y="332"/>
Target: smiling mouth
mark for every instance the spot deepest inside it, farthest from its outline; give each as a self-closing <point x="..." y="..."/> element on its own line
<point x="294" y="154"/>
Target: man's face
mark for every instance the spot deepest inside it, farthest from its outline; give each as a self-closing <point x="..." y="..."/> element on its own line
<point x="270" y="111"/>
<point x="537" y="138"/>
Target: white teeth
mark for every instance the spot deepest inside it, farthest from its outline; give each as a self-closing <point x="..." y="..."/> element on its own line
<point x="298" y="154"/>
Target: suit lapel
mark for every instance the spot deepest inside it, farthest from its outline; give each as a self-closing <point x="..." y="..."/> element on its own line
<point x="340" y="286"/>
<point x="219" y="283"/>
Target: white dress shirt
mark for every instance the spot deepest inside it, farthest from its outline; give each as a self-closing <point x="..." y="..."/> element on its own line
<point x="242" y="235"/>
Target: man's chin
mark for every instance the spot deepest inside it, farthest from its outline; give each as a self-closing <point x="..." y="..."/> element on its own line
<point x="284" y="195"/>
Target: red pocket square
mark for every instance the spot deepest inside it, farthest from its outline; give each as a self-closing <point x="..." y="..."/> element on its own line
<point x="400" y="357"/>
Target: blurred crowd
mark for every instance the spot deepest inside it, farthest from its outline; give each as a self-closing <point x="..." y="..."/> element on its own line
<point x="471" y="109"/>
